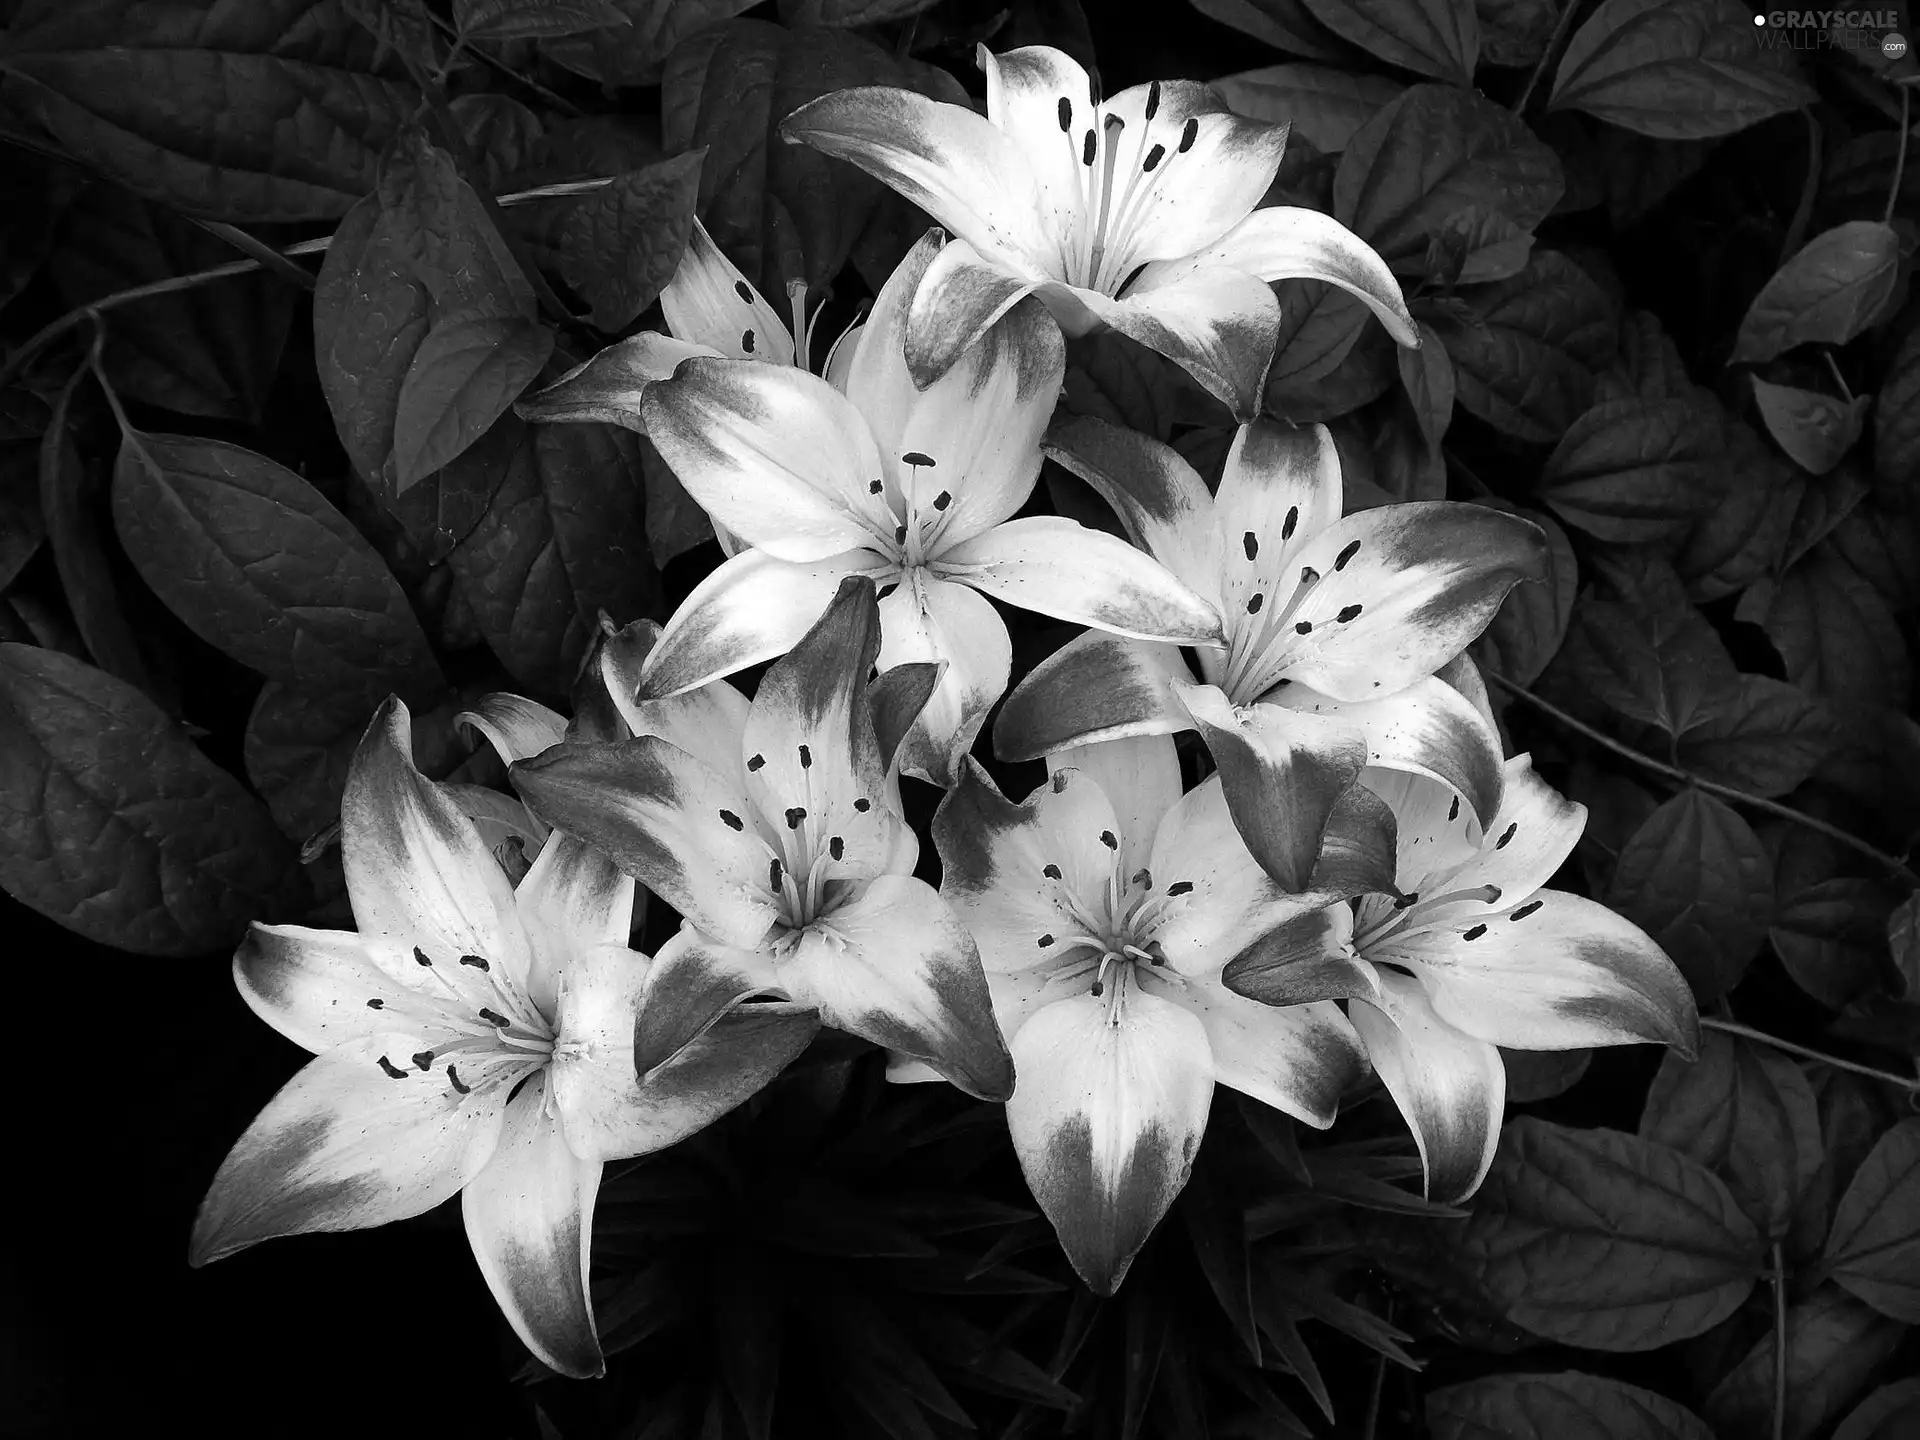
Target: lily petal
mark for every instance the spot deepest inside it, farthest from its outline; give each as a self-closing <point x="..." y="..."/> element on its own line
<point x="1557" y="973"/>
<point x="1451" y="1087"/>
<point x="935" y="620"/>
<point x="975" y="429"/>
<point x="1228" y="901"/>
<point x="813" y="761"/>
<point x="1436" y="832"/>
<point x="1218" y="325"/>
<point x="898" y="968"/>
<point x="607" y="389"/>
<point x="572" y="900"/>
<point x="608" y="1111"/>
<point x="516" y="727"/>
<point x="1281" y="777"/>
<point x="1299" y="1059"/>
<point x="1428" y="728"/>
<point x="1140" y="776"/>
<point x="1025" y="91"/>
<point x="1061" y="568"/>
<point x="1107" y="1120"/>
<point x="417" y="871"/>
<point x="995" y="858"/>
<point x="1095" y="687"/>
<point x="898" y="696"/>
<point x="707" y="722"/>
<point x="954" y="164"/>
<point x="529" y="1217"/>
<point x="1305" y="958"/>
<point x="1425" y="580"/>
<point x="1216" y="166"/>
<point x="1529" y="839"/>
<point x="961" y="297"/>
<point x="693" y="983"/>
<point x="752" y="608"/>
<point x="319" y="988"/>
<point x="1286" y="242"/>
<point x="710" y="303"/>
<point x="1279" y="490"/>
<point x="777" y="456"/>
<point x="1161" y="501"/>
<point x="661" y="816"/>
<point x="344" y="1146"/>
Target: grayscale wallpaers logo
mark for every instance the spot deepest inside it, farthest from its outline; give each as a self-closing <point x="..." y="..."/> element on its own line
<point x="1883" y="29"/>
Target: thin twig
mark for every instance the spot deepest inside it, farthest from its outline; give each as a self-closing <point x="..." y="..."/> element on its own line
<point x="1779" y="1343"/>
<point x="1900" y="158"/>
<point x="269" y="258"/>
<point x="1833" y="369"/>
<point x="1760" y="1037"/>
<point x="1548" y="55"/>
<point x="1809" y="190"/>
<point x="1379" y="1385"/>
<point x="1892" y="863"/>
<point x="559" y="102"/>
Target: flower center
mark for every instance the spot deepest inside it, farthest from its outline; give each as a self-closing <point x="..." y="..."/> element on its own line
<point x="484" y="1022"/>
<point x="1115" y="929"/>
<point x="1268" y="633"/>
<point x="1097" y="254"/>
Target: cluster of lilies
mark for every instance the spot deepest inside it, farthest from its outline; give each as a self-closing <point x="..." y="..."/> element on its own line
<point x="1358" y="883"/>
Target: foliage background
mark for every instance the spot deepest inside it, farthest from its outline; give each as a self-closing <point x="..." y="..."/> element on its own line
<point x="1669" y="317"/>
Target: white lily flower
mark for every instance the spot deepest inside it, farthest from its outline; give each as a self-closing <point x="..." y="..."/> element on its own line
<point x="1106" y="907"/>
<point x="1474" y="954"/>
<point x="1335" y="629"/>
<point x="473" y="1038"/>
<point x="912" y="488"/>
<point x="712" y="310"/>
<point x="1136" y="214"/>
<point x="777" y="836"/>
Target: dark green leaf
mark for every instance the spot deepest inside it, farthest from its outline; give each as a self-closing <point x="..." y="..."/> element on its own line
<point x="1835" y="632"/>
<point x="212" y="350"/>
<point x="1696" y="878"/>
<point x="675" y="521"/>
<point x="1433" y="152"/>
<point x="466" y="374"/>
<point x="1324" y="106"/>
<point x="1121" y="381"/>
<point x="619" y="245"/>
<point x="1903" y="941"/>
<point x="1515" y="32"/>
<point x="1891" y="1412"/>
<point x="1649" y="656"/>
<point x="72" y="494"/>
<point x="276" y="110"/>
<point x="1542" y="1074"/>
<point x="1815" y="430"/>
<point x="1319" y="324"/>
<point x="1429" y="37"/>
<point x="1606" y="1241"/>
<point x="1829" y="937"/>
<point x="1761" y="735"/>
<point x="563" y="539"/>
<point x="1526" y="350"/>
<point x="1676" y="69"/>
<point x="1566" y="1406"/>
<point x="1368" y="366"/>
<point x="1747" y="1113"/>
<point x="116" y="826"/>
<point x="1834" y="1344"/>
<point x="779" y="211"/>
<point x="1638" y="470"/>
<point x="257" y="563"/>
<point x="844" y="14"/>
<point x="1874" y="1246"/>
<point x="1284" y="24"/>
<point x="533" y="19"/>
<point x="23" y="421"/>
<point x="1829" y="292"/>
<point x="632" y="54"/>
<point x="1896" y="424"/>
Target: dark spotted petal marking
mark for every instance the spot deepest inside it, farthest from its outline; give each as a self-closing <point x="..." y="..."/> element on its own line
<point x="874" y="487"/>
<point x="1180" y="887"/>
<point x="733" y="821"/>
<point x="1052" y="872"/>
<point x="1109" y="839"/>
<point x="1045" y="941"/>
<point x="1348" y="612"/>
<point x="1453" y="810"/>
<point x="743" y="290"/>
<point x="1526" y="909"/>
<point x="746" y="341"/>
<point x="863" y="805"/>
<point x="1340" y="560"/>
<point x="837" y="847"/>
<point x="942" y="500"/>
<point x="1287" y="525"/>
<point x="754" y="762"/>
<point x="1254" y="604"/>
<point x="421" y="957"/>
<point x="1505" y="836"/>
<point x="1252" y="543"/>
<point x="1474" y="934"/>
<point x="806" y="758"/>
<point x="1066" y="114"/>
<point x="376" y="1004"/>
<point x="1305" y="627"/>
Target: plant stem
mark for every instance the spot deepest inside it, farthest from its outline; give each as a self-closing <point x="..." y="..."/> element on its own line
<point x="1900" y="159"/>
<point x="1379" y="1385"/>
<point x="1809" y="191"/>
<point x="269" y="258"/>
<point x="1892" y="863"/>
<point x="1548" y="55"/>
<point x="1779" y="1343"/>
<point x="1833" y="369"/>
<point x="1760" y="1037"/>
